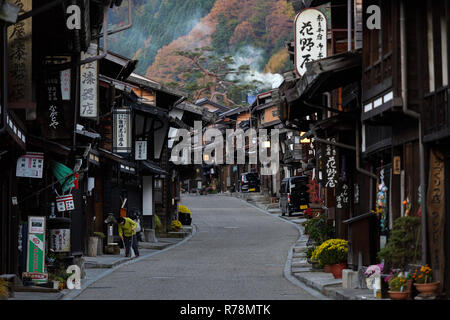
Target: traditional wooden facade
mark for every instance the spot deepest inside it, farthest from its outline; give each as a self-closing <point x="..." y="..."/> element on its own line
<point x="398" y="92"/>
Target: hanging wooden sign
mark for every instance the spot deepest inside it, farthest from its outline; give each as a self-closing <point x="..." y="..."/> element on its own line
<point x="397" y="169"/>
<point x="331" y="167"/>
<point x="436" y="214"/>
<point x="20" y="93"/>
<point x="89" y="85"/>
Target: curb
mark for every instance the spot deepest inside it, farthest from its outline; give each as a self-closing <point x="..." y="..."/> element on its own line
<point x="76" y="292"/>
<point x="288" y="266"/>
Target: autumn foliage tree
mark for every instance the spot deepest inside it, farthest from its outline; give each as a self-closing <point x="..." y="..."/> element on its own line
<point x="213" y="76"/>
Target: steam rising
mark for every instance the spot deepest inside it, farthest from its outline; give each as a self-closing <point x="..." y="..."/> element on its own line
<point x="254" y="57"/>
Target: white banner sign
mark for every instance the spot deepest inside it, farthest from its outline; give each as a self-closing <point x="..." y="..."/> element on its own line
<point x="310" y="38"/>
<point x="65" y="84"/>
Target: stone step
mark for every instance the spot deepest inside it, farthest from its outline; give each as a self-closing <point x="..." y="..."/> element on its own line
<point x="301" y="269"/>
<point x="299" y="249"/>
<point x="259" y="201"/>
<point x="299" y="263"/>
<point x="178" y="234"/>
<point x="187" y="229"/>
<point x="273" y="206"/>
<point x="299" y="255"/>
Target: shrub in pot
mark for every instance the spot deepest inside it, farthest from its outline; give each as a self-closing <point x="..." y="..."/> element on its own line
<point x="402" y="246"/>
<point x="318" y="229"/>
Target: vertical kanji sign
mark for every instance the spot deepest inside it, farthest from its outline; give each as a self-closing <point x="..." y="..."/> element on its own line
<point x="310" y="38"/>
<point x="330" y="164"/>
<point x="89" y="85"/>
<point x="20" y="93"/>
<point x="140" y="150"/>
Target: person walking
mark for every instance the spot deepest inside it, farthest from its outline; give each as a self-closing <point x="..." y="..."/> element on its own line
<point x="127" y="232"/>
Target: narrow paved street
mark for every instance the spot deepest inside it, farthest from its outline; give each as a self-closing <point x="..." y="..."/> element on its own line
<point x="238" y="252"/>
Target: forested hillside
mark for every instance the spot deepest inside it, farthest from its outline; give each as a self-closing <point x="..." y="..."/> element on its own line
<point x="156" y="23"/>
<point x="253" y="32"/>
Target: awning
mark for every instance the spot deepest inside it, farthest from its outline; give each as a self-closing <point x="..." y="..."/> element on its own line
<point x="127" y="167"/>
<point x="330" y="73"/>
<point x="48" y="145"/>
<point x="86" y="133"/>
<point x="152" y="167"/>
<point x="153" y="111"/>
<point x="177" y="123"/>
<point x="322" y="76"/>
<point x="124" y="165"/>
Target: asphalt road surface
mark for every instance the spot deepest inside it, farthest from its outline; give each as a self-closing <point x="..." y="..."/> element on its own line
<point x="237" y="253"/>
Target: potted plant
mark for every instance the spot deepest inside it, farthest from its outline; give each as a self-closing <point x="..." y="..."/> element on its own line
<point x="309" y="252"/>
<point x="332" y="252"/>
<point x="398" y="287"/>
<point x="318" y="229"/>
<point x="4" y="289"/>
<point x="373" y="276"/>
<point x="184" y="215"/>
<point x="54" y="279"/>
<point x="308" y="213"/>
<point x="423" y="281"/>
<point x="402" y="246"/>
<point x="176" y="225"/>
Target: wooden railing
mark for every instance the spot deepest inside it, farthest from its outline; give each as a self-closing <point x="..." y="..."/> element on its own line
<point x="436" y="111"/>
<point x="378" y="72"/>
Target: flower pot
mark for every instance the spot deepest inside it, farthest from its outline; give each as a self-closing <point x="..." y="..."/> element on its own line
<point x="92" y="246"/>
<point x="427" y="289"/>
<point x="327" y="268"/>
<point x="100" y="246"/>
<point x="409" y="284"/>
<point x="55" y="284"/>
<point x="316" y="265"/>
<point x="336" y="269"/>
<point x="397" y="295"/>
